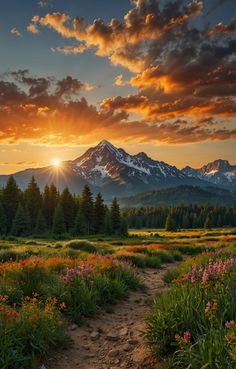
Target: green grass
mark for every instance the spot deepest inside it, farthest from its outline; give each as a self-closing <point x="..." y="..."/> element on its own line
<point x="198" y="310"/>
<point x="32" y="275"/>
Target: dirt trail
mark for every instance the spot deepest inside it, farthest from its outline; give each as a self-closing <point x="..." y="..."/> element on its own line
<point x="120" y="343"/>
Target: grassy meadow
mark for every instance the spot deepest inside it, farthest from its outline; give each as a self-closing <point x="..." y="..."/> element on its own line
<point x="47" y="284"/>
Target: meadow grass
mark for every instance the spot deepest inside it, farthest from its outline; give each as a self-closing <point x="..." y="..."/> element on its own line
<point x="44" y="280"/>
<point x="192" y="324"/>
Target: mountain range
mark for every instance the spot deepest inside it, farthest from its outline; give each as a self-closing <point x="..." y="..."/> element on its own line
<point x="113" y="171"/>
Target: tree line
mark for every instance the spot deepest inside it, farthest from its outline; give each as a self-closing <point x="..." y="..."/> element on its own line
<point x="30" y="212"/>
<point x="181" y="216"/>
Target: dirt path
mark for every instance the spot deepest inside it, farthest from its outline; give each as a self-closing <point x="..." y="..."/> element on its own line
<point x="119" y="343"/>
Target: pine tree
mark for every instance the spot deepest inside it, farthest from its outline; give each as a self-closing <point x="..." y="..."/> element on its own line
<point x="80" y="224"/>
<point x="115" y="216"/>
<point x="69" y="208"/>
<point x="123" y="227"/>
<point x="87" y="209"/>
<point x="170" y="225"/>
<point x="40" y="227"/>
<point x="58" y="227"/>
<point x="108" y="226"/>
<point x="33" y="201"/>
<point x="10" y="201"/>
<point x="3" y="225"/>
<point x="21" y="222"/>
<point x="99" y="214"/>
<point x="207" y="224"/>
<point x="50" y="201"/>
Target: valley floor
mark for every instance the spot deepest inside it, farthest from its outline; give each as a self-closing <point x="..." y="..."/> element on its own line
<point x="114" y="341"/>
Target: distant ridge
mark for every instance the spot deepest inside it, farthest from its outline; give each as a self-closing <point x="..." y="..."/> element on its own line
<point x="180" y="195"/>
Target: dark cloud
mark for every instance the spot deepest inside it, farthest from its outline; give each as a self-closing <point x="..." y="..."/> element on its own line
<point x="221" y="29"/>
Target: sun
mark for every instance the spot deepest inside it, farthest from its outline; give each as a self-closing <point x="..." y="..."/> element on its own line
<point x="56" y="163"/>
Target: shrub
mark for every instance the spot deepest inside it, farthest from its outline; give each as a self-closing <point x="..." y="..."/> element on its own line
<point x="82" y="245"/>
<point x="29" y="333"/>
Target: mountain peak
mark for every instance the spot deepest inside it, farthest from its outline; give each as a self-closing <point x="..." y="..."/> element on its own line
<point x="105" y="143"/>
<point x="216" y="166"/>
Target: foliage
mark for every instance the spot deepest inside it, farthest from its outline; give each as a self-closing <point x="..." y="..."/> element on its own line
<point x="59" y="214"/>
<point x="194" y="320"/>
<point x="82" y="245"/>
<point x="184" y="216"/>
<point x="28" y="333"/>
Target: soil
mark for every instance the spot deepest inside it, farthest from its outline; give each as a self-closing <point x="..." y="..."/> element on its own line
<point x="115" y="340"/>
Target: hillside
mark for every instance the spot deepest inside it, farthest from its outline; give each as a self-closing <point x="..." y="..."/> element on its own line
<point x="180" y="195"/>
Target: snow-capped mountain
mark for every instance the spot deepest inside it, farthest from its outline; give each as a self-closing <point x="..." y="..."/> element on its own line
<point x="219" y="172"/>
<point x="105" y="163"/>
<point x="113" y="171"/>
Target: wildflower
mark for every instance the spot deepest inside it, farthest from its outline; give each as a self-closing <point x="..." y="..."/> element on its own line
<point x="177" y="337"/>
<point x="62" y="305"/>
<point x="210" y="272"/>
<point x="208" y="307"/>
<point x="230" y="324"/>
<point x="187" y="336"/>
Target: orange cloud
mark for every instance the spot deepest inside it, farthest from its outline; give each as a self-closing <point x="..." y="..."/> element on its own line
<point x="186" y="80"/>
<point x="48" y="112"/>
<point x="220" y="28"/>
<point x="116" y="40"/>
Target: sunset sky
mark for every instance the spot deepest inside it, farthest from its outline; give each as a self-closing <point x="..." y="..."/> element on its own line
<point x="153" y="76"/>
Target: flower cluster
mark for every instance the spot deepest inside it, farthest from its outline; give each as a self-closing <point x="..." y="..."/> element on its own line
<point x="211" y="307"/>
<point x="186" y="338"/>
<point x="230" y="324"/>
<point x="210" y="272"/>
<point x="83" y="272"/>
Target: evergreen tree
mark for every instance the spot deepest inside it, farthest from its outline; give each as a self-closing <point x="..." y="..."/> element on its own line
<point x="185" y="222"/>
<point x="69" y="208"/>
<point x="108" y="226"/>
<point x="3" y="225"/>
<point x="58" y="227"/>
<point x="99" y="214"/>
<point x="21" y="222"/>
<point x="10" y="201"/>
<point x="80" y="224"/>
<point x="115" y="216"/>
<point x="40" y="227"/>
<point x="123" y="227"/>
<point x="87" y="209"/>
<point x="50" y="201"/>
<point x="207" y="224"/>
<point x="33" y="201"/>
<point x="170" y="225"/>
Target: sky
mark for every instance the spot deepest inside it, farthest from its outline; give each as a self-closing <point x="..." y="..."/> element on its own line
<point x="146" y="75"/>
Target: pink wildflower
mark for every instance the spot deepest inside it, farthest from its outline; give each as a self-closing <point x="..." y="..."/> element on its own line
<point x="230" y="324"/>
<point x="187" y="336"/>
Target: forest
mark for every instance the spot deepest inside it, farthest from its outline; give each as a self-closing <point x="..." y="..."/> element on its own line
<point x="181" y="216"/>
<point x="30" y="212"/>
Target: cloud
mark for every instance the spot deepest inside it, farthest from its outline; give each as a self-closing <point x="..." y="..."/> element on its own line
<point x="70" y="49"/>
<point x="42" y="3"/>
<point x="51" y="111"/>
<point x="119" y="81"/>
<point x="32" y="27"/>
<point x="183" y="73"/>
<point x="220" y="28"/>
<point x="16" y="32"/>
<point x="144" y="22"/>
